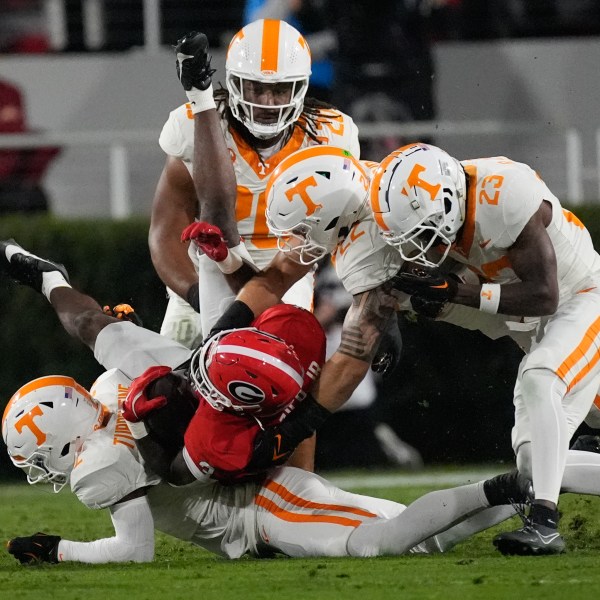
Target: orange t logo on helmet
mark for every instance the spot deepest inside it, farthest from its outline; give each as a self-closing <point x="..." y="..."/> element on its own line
<point x="414" y="180"/>
<point x="27" y="421"/>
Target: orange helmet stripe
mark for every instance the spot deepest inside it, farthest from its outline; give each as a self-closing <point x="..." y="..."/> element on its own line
<point x="269" y="59"/>
<point x="44" y="382"/>
<point x="236" y="38"/>
<point x="374" y="191"/>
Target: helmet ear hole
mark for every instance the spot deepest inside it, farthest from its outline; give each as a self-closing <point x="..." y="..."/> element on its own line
<point x="332" y="224"/>
<point x="65" y="449"/>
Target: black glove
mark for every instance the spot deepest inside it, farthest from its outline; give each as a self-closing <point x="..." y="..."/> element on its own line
<point x="426" y="283"/>
<point x="390" y="347"/>
<point x="430" y="309"/>
<point x="35" y="549"/>
<point x="193" y="61"/>
<point x="587" y="443"/>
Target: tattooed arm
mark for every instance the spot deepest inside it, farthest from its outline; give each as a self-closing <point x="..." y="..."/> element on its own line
<point x="365" y="321"/>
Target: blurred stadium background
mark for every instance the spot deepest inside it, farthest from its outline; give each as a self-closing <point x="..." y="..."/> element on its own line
<point x="97" y="79"/>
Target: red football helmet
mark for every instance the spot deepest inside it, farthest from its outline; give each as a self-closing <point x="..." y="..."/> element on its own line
<point x="247" y="371"/>
<point x="302" y="331"/>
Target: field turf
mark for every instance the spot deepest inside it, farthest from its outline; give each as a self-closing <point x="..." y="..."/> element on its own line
<point x="181" y="571"/>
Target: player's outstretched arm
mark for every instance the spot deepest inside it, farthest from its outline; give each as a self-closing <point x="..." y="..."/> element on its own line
<point x="364" y="325"/>
<point x="214" y="177"/>
<point x="133" y="539"/>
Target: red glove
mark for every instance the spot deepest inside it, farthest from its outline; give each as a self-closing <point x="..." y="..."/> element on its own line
<point x="137" y="405"/>
<point x="208" y="238"/>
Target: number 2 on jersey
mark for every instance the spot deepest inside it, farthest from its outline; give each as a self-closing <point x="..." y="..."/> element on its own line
<point x="490" y="189"/>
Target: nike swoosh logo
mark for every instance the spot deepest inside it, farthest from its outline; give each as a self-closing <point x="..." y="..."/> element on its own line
<point x="547" y="539"/>
<point x="484" y="243"/>
<point x="276" y="455"/>
<point x="440" y="287"/>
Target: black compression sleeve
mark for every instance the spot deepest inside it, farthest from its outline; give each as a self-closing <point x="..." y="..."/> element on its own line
<point x="237" y="315"/>
<point x="274" y="445"/>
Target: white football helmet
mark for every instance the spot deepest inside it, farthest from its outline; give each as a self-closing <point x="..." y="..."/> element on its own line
<point x="270" y="52"/>
<point x="418" y="200"/>
<point x="247" y="371"/>
<point x="45" y="424"/>
<point x="314" y="197"/>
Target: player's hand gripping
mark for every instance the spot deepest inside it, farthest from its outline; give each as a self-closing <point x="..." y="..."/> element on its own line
<point x="193" y="61"/>
<point x="425" y="283"/>
<point x="208" y="238"/>
<point x="137" y="404"/>
<point x="124" y="312"/>
<point x="34" y="549"/>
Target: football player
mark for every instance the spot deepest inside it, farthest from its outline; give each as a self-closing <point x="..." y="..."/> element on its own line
<point x="253" y="374"/>
<point x="59" y="433"/>
<point x="264" y="116"/>
<point x="538" y="277"/>
<point x="317" y="204"/>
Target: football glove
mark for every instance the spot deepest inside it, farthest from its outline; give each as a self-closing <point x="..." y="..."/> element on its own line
<point x="208" y="238"/>
<point x="124" y="312"/>
<point x="388" y="353"/>
<point x="428" y="284"/>
<point x="431" y="309"/>
<point x="137" y="404"/>
<point x="35" y="549"/>
<point x="193" y="61"/>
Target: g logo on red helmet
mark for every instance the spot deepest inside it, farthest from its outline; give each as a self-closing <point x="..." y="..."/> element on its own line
<point x="245" y="392"/>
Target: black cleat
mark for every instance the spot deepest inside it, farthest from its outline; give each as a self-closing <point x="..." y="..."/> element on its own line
<point x="24" y="267"/>
<point x="508" y="488"/>
<point x="193" y="61"/>
<point x="531" y="540"/>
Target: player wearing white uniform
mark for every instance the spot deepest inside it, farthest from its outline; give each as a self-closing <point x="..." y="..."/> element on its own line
<point x="57" y="432"/>
<point x="536" y="266"/>
<point x="264" y="118"/>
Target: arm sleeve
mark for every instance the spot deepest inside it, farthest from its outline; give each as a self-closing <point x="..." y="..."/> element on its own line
<point x="133" y="539"/>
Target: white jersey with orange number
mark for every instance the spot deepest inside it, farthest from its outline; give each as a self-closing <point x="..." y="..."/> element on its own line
<point x="108" y="468"/>
<point x="177" y="139"/>
<point x="363" y="260"/>
<point x="503" y="196"/>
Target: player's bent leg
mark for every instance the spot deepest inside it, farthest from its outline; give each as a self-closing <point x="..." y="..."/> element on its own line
<point x="543" y="392"/>
<point x="301" y="514"/>
<point x="133" y="349"/>
<point x="424" y="518"/>
<point x="434" y="513"/>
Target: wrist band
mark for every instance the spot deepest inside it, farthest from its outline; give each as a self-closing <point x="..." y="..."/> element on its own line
<point x="232" y="262"/>
<point x="201" y="100"/>
<point x="489" y="298"/>
<point x="138" y="430"/>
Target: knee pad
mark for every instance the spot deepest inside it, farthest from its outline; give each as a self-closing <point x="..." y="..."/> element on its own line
<point x="542" y="384"/>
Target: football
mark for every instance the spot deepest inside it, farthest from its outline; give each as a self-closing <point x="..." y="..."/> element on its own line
<point x="167" y="424"/>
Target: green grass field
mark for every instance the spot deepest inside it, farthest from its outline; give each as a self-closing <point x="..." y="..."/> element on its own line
<point x="472" y="570"/>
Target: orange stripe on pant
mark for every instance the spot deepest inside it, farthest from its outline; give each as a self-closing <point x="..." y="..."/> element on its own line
<point x="579" y="353"/>
<point x="290" y="497"/>
<point x="286" y="515"/>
